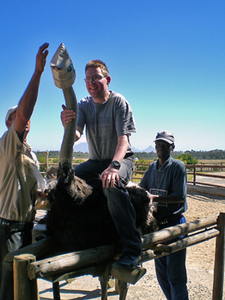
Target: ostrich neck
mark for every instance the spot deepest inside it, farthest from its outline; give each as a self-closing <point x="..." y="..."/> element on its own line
<point x="66" y="152"/>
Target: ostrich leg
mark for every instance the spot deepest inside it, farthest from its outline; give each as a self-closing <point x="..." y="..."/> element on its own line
<point x="104" y="278"/>
<point x="123" y="289"/>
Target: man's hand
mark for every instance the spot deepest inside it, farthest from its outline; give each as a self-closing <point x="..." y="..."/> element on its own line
<point x="152" y="197"/>
<point x="67" y="115"/>
<point x="109" y="177"/>
<point x="40" y="194"/>
<point x="41" y="58"/>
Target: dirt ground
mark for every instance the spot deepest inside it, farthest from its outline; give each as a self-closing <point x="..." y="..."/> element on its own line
<point x="199" y="263"/>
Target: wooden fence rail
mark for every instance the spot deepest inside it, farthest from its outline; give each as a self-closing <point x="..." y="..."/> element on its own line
<point x="201" y="170"/>
<point x="97" y="261"/>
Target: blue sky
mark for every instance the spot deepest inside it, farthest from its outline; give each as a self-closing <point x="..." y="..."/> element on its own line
<point x="166" y="57"/>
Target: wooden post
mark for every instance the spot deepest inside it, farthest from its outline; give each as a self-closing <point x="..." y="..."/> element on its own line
<point x="24" y="288"/>
<point x="219" y="260"/>
<point x="194" y="177"/>
<point x="46" y="161"/>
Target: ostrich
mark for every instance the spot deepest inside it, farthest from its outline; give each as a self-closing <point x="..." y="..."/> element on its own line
<point x="79" y="217"/>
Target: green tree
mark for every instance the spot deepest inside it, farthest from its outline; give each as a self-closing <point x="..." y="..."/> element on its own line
<point x="42" y="160"/>
<point x="187" y="158"/>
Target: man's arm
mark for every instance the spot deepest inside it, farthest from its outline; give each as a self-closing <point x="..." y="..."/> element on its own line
<point x="110" y="175"/>
<point x="178" y="185"/>
<point x="165" y="199"/>
<point x="29" y="98"/>
<point x="121" y="148"/>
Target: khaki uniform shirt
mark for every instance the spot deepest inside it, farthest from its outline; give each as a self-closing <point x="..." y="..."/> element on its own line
<point x="17" y="180"/>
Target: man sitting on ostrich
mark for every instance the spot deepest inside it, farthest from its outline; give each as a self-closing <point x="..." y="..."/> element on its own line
<point x="109" y="123"/>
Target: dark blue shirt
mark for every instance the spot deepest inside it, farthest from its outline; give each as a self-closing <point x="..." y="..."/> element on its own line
<point x="170" y="178"/>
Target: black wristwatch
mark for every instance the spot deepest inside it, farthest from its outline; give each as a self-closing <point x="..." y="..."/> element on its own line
<point x="116" y="164"/>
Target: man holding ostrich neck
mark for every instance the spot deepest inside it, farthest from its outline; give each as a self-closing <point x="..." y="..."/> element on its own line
<point x="18" y="178"/>
<point x="109" y="123"/>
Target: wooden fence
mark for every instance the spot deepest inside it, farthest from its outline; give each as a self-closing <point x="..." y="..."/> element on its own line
<point x="97" y="261"/>
<point x="195" y="172"/>
<point x="201" y="171"/>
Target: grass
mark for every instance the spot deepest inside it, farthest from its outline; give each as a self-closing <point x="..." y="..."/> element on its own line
<point x="211" y="161"/>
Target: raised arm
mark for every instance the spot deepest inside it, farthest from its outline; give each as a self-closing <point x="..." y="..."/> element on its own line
<point x="29" y="98"/>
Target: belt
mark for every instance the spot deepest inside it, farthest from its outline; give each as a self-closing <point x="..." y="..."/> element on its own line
<point x="168" y="219"/>
<point x="14" y="225"/>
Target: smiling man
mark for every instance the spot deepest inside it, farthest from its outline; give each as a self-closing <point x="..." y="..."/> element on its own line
<point x="166" y="180"/>
<point x="109" y="123"/>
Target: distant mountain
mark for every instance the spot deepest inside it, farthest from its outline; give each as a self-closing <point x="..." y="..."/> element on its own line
<point x="149" y="149"/>
<point x="82" y="147"/>
<point x="135" y="149"/>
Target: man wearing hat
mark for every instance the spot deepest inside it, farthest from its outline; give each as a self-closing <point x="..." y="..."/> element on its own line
<point x="10" y="117"/>
<point x="18" y="178"/>
<point x="166" y="180"/>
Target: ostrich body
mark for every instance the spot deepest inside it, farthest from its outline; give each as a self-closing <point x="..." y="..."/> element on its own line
<point x="79" y="217"/>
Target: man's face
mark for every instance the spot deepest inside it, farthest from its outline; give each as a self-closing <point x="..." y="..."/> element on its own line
<point x="163" y="149"/>
<point x="10" y="120"/>
<point x="97" y="88"/>
<point x="27" y="129"/>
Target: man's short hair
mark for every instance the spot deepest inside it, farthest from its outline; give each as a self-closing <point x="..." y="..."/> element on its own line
<point x="97" y="63"/>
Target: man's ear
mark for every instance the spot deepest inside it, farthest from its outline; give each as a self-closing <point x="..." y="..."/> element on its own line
<point x="172" y="147"/>
<point x="108" y="78"/>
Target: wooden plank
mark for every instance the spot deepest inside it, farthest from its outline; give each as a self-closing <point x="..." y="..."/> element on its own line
<point x="210" y="184"/>
<point x="70" y="262"/>
<point x="75" y="261"/>
<point x="205" y="166"/>
<point x="210" y="175"/>
<point x="172" y="232"/>
<point x="183" y="243"/>
<point x="40" y="249"/>
<point x="94" y="271"/>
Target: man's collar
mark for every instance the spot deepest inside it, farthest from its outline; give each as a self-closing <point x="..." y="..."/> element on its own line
<point x="165" y="164"/>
